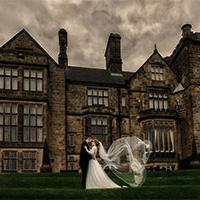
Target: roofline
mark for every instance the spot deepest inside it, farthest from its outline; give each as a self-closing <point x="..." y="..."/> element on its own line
<point x="90" y="83"/>
<point x="26" y="32"/>
<point x="94" y="68"/>
<point x="179" y="47"/>
<point x="82" y="67"/>
<point x="155" y="51"/>
<point x="141" y="66"/>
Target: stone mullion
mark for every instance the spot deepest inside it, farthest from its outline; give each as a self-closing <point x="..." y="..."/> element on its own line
<point x="20" y="123"/>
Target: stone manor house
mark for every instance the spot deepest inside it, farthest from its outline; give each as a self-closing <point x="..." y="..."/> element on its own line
<point x="47" y="108"/>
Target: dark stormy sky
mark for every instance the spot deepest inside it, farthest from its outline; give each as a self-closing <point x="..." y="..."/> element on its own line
<point x="141" y="24"/>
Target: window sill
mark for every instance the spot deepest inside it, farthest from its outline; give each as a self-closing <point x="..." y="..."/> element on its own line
<point x="151" y="113"/>
<point x="13" y="90"/>
<point x="96" y="105"/>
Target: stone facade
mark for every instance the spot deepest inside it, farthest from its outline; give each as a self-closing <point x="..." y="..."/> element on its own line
<point x="185" y="59"/>
<point x="17" y="57"/>
<point x="79" y="116"/>
<point x="44" y="102"/>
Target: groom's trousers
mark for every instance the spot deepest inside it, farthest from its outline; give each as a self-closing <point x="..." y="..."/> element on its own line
<point x="84" y="169"/>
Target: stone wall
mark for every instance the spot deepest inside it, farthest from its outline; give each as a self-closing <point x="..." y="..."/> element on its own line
<point x="186" y="63"/>
<point x="139" y="86"/>
<point x="76" y="95"/>
<point x="39" y="154"/>
<point x="22" y="52"/>
<point x="194" y="63"/>
<point x="196" y="117"/>
<point x="77" y="113"/>
<point x="56" y="117"/>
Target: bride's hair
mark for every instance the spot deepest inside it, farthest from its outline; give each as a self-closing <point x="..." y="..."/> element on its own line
<point x="89" y="137"/>
<point x="96" y="142"/>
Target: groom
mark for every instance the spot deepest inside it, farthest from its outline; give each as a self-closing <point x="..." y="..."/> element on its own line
<point x="84" y="160"/>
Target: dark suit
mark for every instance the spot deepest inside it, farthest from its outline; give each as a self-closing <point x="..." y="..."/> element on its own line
<point x="84" y="161"/>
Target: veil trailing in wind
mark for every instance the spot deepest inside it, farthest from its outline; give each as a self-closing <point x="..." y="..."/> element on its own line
<point x="126" y="158"/>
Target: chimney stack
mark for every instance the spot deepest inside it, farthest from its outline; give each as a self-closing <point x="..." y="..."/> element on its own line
<point x="186" y="30"/>
<point x="62" y="57"/>
<point x="113" y="54"/>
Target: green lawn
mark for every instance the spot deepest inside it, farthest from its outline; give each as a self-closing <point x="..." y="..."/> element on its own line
<point x="183" y="184"/>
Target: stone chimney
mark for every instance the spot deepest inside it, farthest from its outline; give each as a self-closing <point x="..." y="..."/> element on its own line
<point x="113" y="54"/>
<point x="186" y="30"/>
<point x="62" y="57"/>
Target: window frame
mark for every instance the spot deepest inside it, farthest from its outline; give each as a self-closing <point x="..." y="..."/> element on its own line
<point x="33" y="79"/>
<point x="29" y="159"/>
<point x="157" y="136"/>
<point x="158" y="100"/>
<point x="99" y="127"/>
<point x="71" y="137"/>
<point x="123" y="101"/>
<point x="10" y="159"/>
<point x="28" y="124"/>
<point x="157" y="73"/>
<point x="71" y="166"/>
<point x="9" y="121"/>
<point x="97" y="97"/>
<point x="12" y="77"/>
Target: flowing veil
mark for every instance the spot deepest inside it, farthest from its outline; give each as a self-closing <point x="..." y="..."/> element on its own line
<point x="126" y="158"/>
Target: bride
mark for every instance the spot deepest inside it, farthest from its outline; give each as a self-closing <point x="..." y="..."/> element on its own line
<point x="96" y="176"/>
<point x="126" y="158"/>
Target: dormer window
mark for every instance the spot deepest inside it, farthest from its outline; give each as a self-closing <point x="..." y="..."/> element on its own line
<point x="157" y="73"/>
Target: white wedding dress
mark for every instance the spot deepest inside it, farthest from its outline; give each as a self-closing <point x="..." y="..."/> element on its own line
<point x="96" y="176"/>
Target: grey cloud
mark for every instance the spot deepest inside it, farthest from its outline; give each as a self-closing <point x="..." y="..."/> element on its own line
<point x="141" y="23"/>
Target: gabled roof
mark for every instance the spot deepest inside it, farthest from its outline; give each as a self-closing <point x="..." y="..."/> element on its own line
<point x="153" y="54"/>
<point x="23" y="40"/>
<point x="96" y="76"/>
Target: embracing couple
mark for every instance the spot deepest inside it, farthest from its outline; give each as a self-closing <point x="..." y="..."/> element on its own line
<point x="93" y="175"/>
<point x="126" y="158"/>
